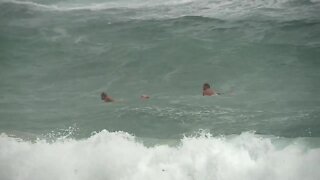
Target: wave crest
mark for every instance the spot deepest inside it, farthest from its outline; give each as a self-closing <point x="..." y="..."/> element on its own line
<point x="119" y="155"/>
<point x="220" y="9"/>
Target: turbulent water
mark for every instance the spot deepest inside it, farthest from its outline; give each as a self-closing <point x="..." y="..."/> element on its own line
<point x="57" y="56"/>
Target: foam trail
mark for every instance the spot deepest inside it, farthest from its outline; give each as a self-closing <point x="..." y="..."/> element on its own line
<point x="32" y="4"/>
<point x="118" y="155"/>
<point x="95" y="6"/>
<point x="187" y="7"/>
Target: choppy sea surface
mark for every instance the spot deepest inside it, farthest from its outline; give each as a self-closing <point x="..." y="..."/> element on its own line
<point x="57" y="56"/>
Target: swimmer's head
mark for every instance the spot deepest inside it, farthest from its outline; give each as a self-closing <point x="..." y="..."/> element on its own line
<point x="206" y="86"/>
<point x="103" y="95"/>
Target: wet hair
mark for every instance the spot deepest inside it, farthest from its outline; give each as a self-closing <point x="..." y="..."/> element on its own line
<point x="103" y="95"/>
<point x="206" y="85"/>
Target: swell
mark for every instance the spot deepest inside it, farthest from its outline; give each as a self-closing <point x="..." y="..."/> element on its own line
<point x="235" y="9"/>
<point x="98" y="50"/>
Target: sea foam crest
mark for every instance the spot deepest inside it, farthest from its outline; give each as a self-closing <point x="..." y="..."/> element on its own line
<point x="92" y="5"/>
<point x="118" y="155"/>
<point x="157" y="9"/>
<point x="199" y="5"/>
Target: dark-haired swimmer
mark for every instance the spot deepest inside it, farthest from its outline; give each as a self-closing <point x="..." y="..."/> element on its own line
<point x="106" y="98"/>
<point x="208" y="91"/>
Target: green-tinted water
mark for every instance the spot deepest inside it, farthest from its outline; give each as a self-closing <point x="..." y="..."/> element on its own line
<point x="56" y="57"/>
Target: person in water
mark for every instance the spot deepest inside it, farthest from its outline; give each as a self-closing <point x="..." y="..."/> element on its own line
<point x="207" y="90"/>
<point x="144" y="97"/>
<point x="106" y="98"/>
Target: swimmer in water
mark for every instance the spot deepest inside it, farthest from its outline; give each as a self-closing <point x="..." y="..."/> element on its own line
<point x="144" y="97"/>
<point x="106" y="98"/>
<point x="207" y="90"/>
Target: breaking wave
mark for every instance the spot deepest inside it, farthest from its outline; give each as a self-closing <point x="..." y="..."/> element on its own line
<point x="119" y="155"/>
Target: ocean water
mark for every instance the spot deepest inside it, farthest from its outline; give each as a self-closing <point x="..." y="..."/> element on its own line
<point x="57" y="56"/>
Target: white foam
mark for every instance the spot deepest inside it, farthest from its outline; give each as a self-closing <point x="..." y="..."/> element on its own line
<point x="285" y="10"/>
<point x="91" y="5"/>
<point x="171" y="8"/>
<point x="118" y="155"/>
<point x="32" y="4"/>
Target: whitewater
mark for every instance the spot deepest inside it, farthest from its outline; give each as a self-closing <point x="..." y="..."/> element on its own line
<point x="119" y="155"/>
<point x="57" y="56"/>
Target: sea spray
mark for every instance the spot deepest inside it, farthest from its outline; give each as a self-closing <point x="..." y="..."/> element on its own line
<point x="119" y="155"/>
